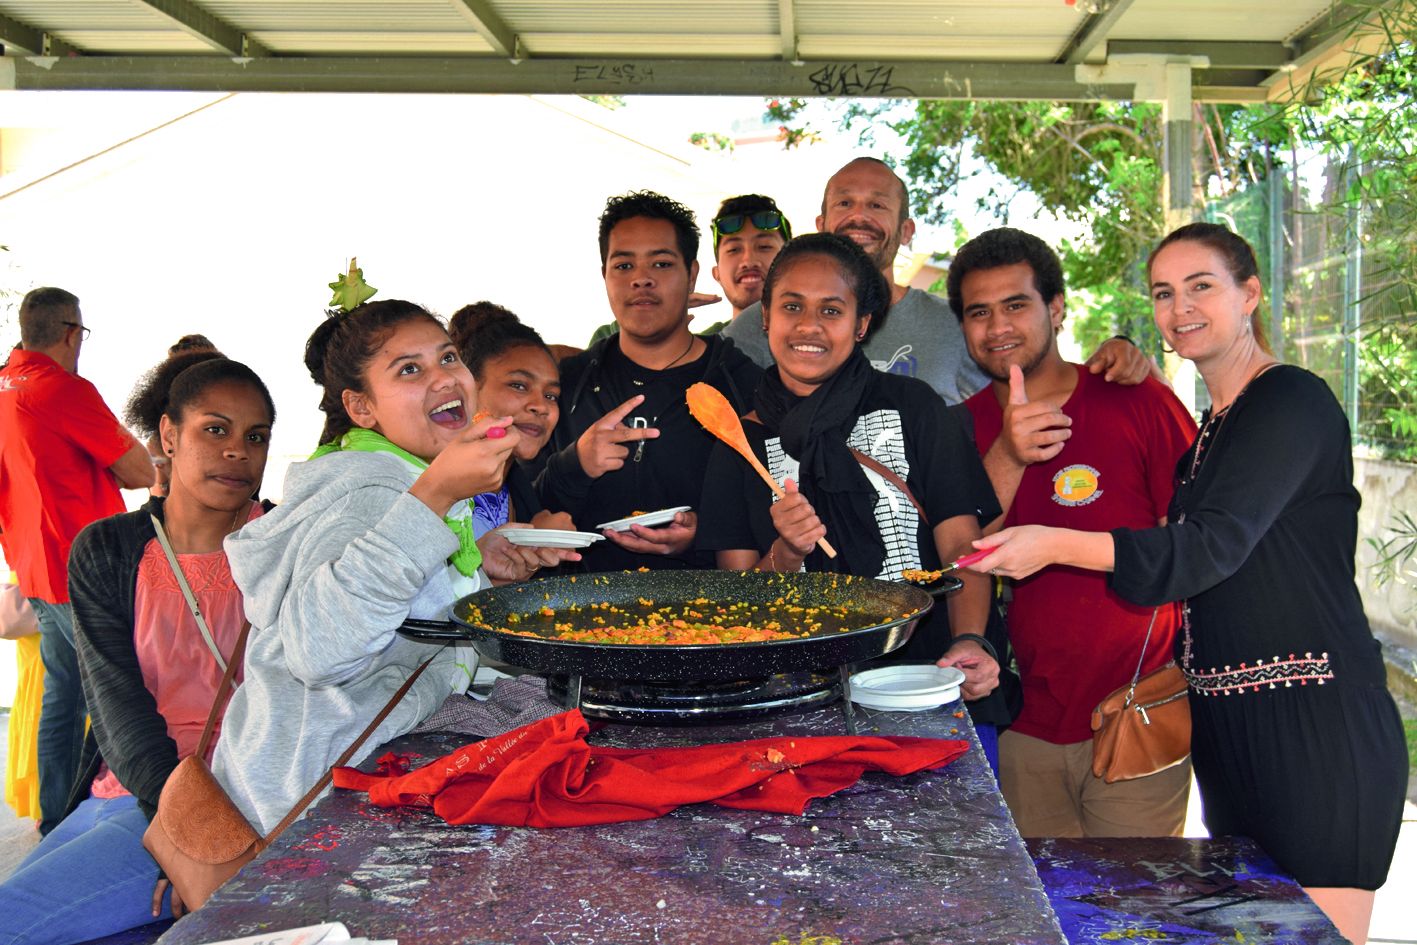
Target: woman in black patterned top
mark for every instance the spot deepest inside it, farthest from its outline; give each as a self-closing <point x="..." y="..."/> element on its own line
<point x="821" y="400"/>
<point x="1295" y="739"/>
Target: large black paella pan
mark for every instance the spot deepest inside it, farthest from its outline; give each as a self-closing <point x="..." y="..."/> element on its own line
<point x="841" y="619"/>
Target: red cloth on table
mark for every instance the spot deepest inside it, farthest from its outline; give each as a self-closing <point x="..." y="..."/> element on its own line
<point x="545" y="775"/>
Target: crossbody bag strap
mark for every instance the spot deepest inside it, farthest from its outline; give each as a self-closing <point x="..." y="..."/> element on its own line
<point x="343" y="759"/>
<point x="228" y="681"/>
<point x="187" y="593"/>
<point x="889" y="475"/>
<point x="886" y="473"/>
<point x="1136" y="676"/>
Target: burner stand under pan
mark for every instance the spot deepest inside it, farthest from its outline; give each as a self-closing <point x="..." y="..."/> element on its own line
<point x="684" y="703"/>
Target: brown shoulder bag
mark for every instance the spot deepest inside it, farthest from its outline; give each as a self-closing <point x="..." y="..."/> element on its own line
<point x="1143" y="727"/>
<point x="198" y="837"/>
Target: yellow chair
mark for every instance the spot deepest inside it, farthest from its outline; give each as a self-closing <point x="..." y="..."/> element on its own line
<point x="22" y="761"/>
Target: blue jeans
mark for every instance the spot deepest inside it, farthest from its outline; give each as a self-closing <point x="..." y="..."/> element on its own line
<point x="61" y="713"/>
<point x="989" y="741"/>
<point x="89" y="878"/>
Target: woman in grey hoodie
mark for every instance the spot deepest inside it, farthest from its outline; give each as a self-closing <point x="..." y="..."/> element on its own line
<point x="374" y="528"/>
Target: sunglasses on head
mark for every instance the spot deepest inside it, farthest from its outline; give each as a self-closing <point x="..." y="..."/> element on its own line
<point x="766" y="220"/>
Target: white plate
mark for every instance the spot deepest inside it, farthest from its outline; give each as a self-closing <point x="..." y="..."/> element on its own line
<point x="647" y="519"/>
<point x="549" y="537"/>
<point x="909" y="687"/>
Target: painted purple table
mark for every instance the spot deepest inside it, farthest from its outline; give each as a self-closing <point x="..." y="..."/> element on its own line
<point x="933" y="857"/>
<point x="1187" y="892"/>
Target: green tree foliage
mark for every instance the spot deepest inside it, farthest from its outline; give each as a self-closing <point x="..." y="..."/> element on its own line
<point x="1367" y="119"/>
<point x="1098" y="164"/>
<point x="711" y="141"/>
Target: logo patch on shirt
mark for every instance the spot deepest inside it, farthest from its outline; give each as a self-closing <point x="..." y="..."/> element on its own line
<point x="901" y="362"/>
<point x="1076" y="485"/>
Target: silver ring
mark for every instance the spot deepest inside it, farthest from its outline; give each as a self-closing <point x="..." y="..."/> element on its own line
<point x="994" y="571"/>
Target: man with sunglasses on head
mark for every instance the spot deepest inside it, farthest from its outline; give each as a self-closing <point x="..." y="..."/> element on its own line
<point x="748" y="233"/>
<point x="867" y="202"/>
<point x="63" y="458"/>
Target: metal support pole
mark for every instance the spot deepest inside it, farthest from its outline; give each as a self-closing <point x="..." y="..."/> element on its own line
<point x="1176" y="113"/>
<point x="1352" y="293"/>
<point x="1274" y="195"/>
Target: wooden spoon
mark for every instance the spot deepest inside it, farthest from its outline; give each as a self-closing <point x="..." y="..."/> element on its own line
<point x="716" y="414"/>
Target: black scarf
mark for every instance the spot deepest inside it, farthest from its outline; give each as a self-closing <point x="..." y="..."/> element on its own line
<point x="814" y="430"/>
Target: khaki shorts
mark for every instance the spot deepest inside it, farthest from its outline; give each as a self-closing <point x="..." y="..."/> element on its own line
<point x="1051" y="792"/>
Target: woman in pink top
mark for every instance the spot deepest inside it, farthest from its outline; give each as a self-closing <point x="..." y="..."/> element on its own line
<point x="149" y="671"/>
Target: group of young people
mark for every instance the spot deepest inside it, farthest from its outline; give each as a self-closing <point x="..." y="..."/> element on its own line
<point x="437" y="436"/>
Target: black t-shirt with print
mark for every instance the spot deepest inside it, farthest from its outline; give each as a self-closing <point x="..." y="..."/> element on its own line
<point x="904" y="426"/>
<point x="659" y="473"/>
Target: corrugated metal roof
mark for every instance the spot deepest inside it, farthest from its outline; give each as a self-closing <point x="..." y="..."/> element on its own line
<point x="1024" y="49"/>
<point x="682" y="17"/>
<point x="136" y="41"/>
<point x="998" y="18"/>
<point x="401" y="42"/>
<point x="650" y="45"/>
<point x="1220" y="20"/>
<point x="123" y="42"/>
<point x="63" y="15"/>
<point x="339" y="16"/>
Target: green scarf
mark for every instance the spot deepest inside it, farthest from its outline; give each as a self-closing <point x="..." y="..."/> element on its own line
<point x="467" y="559"/>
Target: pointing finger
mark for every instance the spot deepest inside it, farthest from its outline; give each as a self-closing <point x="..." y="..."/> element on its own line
<point x="614" y="417"/>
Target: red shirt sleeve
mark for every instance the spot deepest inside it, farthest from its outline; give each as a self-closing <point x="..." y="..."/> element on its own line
<point x="91" y="426"/>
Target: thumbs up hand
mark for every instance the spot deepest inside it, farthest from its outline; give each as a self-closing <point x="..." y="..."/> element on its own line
<point x="1032" y="432"/>
<point x="1018" y="390"/>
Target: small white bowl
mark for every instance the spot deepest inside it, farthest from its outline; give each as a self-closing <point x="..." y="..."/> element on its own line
<point x="910" y="687"/>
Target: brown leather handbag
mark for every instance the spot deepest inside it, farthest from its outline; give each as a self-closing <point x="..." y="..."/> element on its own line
<point x="198" y="836"/>
<point x="1143" y="727"/>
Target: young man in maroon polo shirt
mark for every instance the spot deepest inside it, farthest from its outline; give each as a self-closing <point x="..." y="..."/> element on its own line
<point x="1064" y="447"/>
<point x="63" y="458"/>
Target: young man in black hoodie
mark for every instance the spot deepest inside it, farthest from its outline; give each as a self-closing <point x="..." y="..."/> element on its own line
<point x="625" y="442"/>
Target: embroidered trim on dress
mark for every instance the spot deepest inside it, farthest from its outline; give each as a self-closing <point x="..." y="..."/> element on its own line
<point x="1232" y="682"/>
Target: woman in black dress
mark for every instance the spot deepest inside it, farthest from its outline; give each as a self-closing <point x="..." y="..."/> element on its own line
<point x="1295" y="739"/>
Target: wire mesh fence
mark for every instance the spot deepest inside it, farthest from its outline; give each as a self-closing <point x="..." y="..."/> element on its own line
<point x="1347" y="305"/>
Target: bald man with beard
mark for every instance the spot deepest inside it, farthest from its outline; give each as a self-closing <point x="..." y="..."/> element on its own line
<point x="868" y="203"/>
